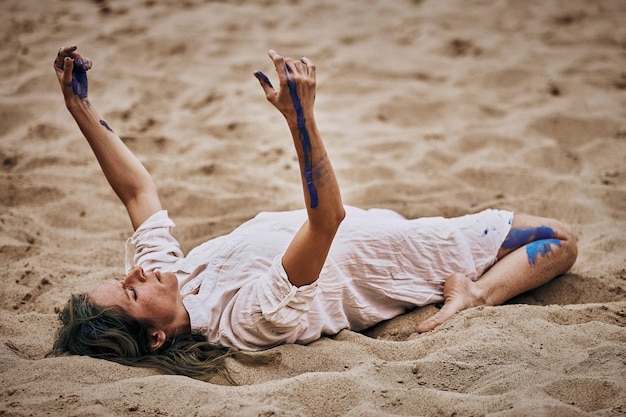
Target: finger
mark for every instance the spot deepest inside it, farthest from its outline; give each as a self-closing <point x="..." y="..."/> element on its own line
<point x="310" y="66"/>
<point x="79" y="59"/>
<point x="299" y="66"/>
<point x="67" y="50"/>
<point x="58" y="62"/>
<point x="68" y="67"/>
<point x="63" y="52"/>
<point x="289" y="66"/>
<point x="265" y="83"/>
<point x="280" y="65"/>
<point x="82" y="62"/>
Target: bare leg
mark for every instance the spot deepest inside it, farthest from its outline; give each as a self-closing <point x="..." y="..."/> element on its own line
<point x="534" y="252"/>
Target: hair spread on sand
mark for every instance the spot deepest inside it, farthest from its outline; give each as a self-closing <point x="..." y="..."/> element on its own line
<point x="109" y="333"/>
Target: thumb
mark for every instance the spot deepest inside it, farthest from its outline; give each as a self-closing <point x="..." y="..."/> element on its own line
<point x="68" y="67"/>
<point x="265" y="83"/>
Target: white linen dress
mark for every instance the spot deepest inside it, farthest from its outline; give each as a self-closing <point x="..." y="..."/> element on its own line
<point x="380" y="265"/>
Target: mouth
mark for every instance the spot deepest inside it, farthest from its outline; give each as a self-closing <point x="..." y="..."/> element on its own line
<point x="157" y="274"/>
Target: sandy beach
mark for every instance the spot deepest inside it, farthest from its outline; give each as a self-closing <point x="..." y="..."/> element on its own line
<point x="429" y="108"/>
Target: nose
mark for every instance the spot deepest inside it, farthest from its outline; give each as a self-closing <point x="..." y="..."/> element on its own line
<point x="135" y="275"/>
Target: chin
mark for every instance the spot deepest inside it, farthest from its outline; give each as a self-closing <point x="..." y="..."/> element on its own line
<point x="169" y="277"/>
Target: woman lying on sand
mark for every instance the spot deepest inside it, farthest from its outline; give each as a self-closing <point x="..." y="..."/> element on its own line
<point x="288" y="277"/>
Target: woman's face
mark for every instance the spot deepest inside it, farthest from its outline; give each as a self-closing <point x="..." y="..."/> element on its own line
<point x="150" y="297"/>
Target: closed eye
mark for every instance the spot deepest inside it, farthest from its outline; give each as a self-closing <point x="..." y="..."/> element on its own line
<point x="131" y="289"/>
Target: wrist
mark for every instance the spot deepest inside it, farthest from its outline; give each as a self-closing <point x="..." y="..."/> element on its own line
<point x="293" y="121"/>
<point x="74" y="103"/>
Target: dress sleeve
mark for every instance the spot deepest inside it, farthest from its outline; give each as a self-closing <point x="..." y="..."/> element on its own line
<point x="267" y="311"/>
<point x="152" y="246"/>
<point x="282" y="303"/>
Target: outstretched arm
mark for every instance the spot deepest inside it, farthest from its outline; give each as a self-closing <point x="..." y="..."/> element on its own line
<point x="294" y="98"/>
<point x="127" y="176"/>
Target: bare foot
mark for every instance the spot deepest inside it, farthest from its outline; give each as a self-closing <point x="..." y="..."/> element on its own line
<point x="458" y="294"/>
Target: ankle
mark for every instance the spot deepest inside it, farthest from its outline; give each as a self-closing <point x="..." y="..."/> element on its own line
<point x="479" y="295"/>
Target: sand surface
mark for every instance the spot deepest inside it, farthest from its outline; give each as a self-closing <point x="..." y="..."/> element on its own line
<point x="427" y="107"/>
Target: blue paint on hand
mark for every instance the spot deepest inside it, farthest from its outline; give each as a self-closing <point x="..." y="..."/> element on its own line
<point x="106" y="125"/>
<point x="304" y="137"/>
<point x="520" y="237"/>
<point x="540" y="248"/>
<point x="79" y="81"/>
<point x="263" y="78"/>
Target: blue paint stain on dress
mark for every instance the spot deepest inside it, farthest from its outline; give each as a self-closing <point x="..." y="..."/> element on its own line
<point x="106" y="125"/>
<point x="304" y="137"/>
<point x="540" y="248"/>
<point x="520" y="237"/>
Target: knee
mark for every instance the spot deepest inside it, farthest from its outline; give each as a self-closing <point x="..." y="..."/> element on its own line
<point x="569" y="244"/>
<point x="571" y="253"/>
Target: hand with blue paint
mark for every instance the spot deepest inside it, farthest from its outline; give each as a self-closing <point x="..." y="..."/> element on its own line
<point x="295" y="95"/>
<point x="127" y="176"/>
<point x="294" y="98"/>
<point x="71" y="68"/>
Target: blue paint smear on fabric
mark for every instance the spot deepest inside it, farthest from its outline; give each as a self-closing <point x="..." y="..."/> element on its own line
<point x="520" y="237"/>
<point x="540" y="248"/>
<point x="304" y="138"/>
<point x="106" y="125"/>
<point x="263" y="78"/>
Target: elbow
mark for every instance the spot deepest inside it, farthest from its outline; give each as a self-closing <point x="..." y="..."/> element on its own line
<point x="341" y="215"/>
<point x="334" y="220"/>
<point x="330" y="222"/>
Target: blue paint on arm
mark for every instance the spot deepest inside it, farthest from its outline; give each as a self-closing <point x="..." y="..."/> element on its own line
<point x="520" y="237"/>
<point x="540" y="248"/>
<point x="106" y="125"/>
<point x="304" y="138"/>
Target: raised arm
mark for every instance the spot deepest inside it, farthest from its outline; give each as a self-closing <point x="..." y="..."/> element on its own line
<point x="294" y="98"/>
<point x="127" y="176"/>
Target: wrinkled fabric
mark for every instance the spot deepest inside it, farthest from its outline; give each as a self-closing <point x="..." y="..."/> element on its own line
<point x="380" y="265"/>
